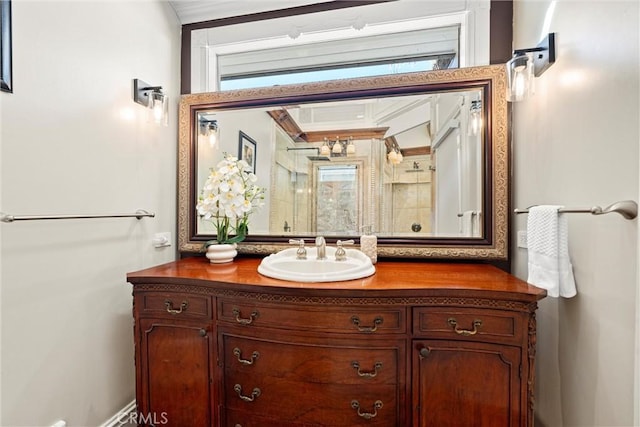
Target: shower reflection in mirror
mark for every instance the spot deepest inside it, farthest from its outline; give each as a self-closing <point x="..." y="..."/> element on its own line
<point x="408" y="166"/>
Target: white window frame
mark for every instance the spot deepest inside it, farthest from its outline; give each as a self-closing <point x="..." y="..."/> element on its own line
<point x="206" y="71"/>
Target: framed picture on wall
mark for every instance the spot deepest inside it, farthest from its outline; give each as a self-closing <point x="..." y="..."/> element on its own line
<point x="247" y="150"/>
<point x="5" y="46"/>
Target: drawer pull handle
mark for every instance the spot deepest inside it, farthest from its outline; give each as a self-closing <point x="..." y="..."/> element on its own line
<point x="376" y="322"/>
<point x="170" y="309"/>
<point x="203" y="332"/>
<point x="367" y="415"/>
<point x="255" y="393"/>
<point x="372" y="374"/>
<point x="238" y="353"/>
<point x="252" y="317"/>
<point x="466" y="332"/>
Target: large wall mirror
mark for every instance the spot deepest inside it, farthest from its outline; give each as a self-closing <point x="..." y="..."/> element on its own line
<point x="419" y="159"/>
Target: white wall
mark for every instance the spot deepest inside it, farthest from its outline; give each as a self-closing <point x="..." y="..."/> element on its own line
<point x="576" y="144"/>
<point x="72" y="141"/>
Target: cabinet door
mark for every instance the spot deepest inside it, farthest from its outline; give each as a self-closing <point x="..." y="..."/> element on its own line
<point x="175" y="373"/>
<point x="458" y="383"/>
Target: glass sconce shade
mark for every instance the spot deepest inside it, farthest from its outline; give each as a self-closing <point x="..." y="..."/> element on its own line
<point x="528" y="63"/>
<point x="395" y="157"/>
<point x="337" y="148"/>
<point x="351" y="148"/>
<point x="519" y="77"/>
<point x="154" y="99"/>
<point x="209" y="130"/>
<point x="325" y="150"/>
<point x="159" y="106"/>
<point x="475" y="117"/>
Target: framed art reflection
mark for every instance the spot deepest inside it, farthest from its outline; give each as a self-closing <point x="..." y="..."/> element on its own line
<point x="247" y="150"/>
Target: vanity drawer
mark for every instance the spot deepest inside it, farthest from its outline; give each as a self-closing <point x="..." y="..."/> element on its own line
<point x="311" y="403"/>
<point x="445" y="322"/>
<point x="174" y="305"/>
<point x="251" y="419"/>
<point x="341" y="320"/>
<point x="374" y="363"/>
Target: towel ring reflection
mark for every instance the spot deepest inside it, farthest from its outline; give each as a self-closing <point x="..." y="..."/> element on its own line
<point x="626" y="208"/>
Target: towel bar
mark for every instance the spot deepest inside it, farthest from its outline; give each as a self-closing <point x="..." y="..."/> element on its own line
<point x="626" y="208"/>
<point x="473" y="213"/>
<point x="139" y="214"/>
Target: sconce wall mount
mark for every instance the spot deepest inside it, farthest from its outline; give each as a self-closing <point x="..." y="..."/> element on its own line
<point x="152" y="98"/>
<point x="528" y="63"/>
<point x="141" y="91"/>
<point x="544" y="55"/>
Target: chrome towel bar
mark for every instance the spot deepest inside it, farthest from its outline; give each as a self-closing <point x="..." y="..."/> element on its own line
<point x="139" y="214"/>
<point x="626" y="208"/>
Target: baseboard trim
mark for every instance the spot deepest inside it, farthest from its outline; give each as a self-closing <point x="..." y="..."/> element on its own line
<point x="120" y="418"/>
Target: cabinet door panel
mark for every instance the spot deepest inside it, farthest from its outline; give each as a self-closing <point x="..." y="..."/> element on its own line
<point x="466" y="384"/>
<point x="176" y="373"/>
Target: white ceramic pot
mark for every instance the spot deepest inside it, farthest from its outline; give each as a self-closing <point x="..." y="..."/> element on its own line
<point x="221" y="253"/>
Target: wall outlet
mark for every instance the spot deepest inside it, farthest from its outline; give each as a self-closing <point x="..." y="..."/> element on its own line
<point x="522" y="239"/>
<point x="160" y="240"/>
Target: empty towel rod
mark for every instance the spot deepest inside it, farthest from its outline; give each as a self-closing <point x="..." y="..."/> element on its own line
<point x="626" y="208"/>
<point x="139" y="214"/>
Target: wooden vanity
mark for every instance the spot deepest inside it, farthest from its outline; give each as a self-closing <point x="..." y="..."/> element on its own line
<point x="416" y="344"/>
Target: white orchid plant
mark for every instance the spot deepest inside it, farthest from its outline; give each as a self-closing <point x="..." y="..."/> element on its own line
<point x="228" y="197"/>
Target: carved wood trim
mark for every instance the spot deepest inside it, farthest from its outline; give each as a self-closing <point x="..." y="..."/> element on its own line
<point x="532" y="371"/>
<point x="333" y="300"/>
<point x="288" y="125"/>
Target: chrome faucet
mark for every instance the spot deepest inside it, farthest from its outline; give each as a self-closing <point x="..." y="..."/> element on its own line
<point x="321" y="247"/>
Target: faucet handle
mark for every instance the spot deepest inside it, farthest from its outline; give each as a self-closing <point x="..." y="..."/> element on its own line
<point x="301" y="253"/>
<point x="341" y="254"/>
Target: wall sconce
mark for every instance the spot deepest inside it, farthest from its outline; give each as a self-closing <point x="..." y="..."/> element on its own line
<point x="475" y="117"/>
<point x="209" y="130"/>
<point x="154" y="99"/>
<point x="325" y="150"/>
<point x="527" y="63"/>
<point x="338" y="148"/>
<point x="394" y="155"/>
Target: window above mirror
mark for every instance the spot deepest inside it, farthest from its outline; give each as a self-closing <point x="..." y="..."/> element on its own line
<point x="384" y="38"/>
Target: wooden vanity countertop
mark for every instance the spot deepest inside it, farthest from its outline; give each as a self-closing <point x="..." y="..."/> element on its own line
<point x="395" y="278"/>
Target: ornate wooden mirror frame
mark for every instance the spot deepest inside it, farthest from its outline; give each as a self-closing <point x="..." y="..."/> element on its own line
<point x="491" y="80"/>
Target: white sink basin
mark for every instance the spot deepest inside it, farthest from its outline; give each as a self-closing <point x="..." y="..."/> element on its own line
<point x="284" y="266"/>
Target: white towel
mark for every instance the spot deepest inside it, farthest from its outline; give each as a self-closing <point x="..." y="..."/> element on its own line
<point x="548" y="242"/>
